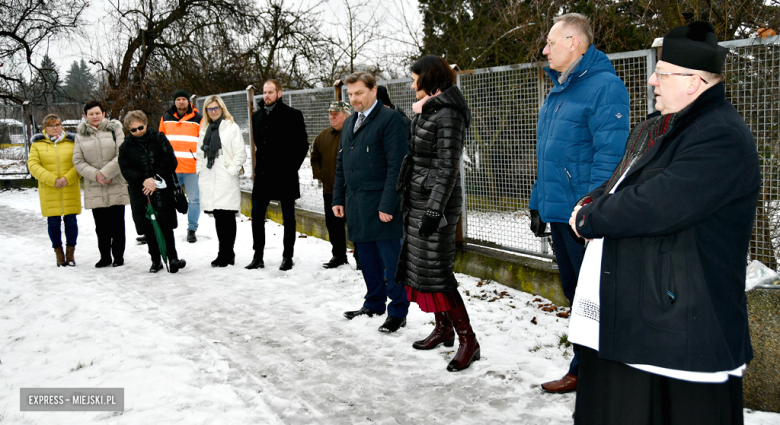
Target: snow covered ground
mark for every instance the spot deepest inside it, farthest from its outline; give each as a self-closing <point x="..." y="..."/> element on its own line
<point x="232" y="346"/>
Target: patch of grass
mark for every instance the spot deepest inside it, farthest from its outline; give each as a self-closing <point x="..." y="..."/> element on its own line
<point x="536" y="347"/>
<point x="563" y="339"/>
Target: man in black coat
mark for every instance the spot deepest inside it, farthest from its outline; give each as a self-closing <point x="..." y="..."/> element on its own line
<point x="660" y="309"/>
<point x="373" y="145"/>
<point x="281" y="145"/>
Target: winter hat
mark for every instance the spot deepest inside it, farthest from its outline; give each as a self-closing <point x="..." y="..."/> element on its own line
<point x="339" y="106"/>
<point x="181" y="93"/>
<point x="695" y="47"/>
<point x="381" y="94"/>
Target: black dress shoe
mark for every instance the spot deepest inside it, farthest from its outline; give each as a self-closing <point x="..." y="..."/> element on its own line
<point x="287" y="264"/>
<point x="103" y="263"/>
<point x="392" y="324"/>
<point x="335" y="262"/>
<point x="370" y="313"/>
<point x="175" y="265"/>
<point x="191" y="236"/>
<point x="156" y="266"/>
<point x="118" y="263"/>
<point x="257" y="263"/>
<point x="141" y="240"/>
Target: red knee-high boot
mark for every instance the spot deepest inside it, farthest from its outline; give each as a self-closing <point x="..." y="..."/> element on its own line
<point x="468" y="351"/>
<point x="442" y="333"/>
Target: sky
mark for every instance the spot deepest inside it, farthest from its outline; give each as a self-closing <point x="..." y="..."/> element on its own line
<point x="97" y="40"/>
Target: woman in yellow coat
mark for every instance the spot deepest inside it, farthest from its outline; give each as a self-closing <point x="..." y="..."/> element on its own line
<point x="51" y="163"/>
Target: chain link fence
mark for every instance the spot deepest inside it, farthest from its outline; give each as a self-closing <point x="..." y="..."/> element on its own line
<point x="499" y="158"/>
<point x="499" y="161"/>
<point x="752" y="82"/>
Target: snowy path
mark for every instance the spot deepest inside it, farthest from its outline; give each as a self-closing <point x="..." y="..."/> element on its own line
<point x="232" y="346"/>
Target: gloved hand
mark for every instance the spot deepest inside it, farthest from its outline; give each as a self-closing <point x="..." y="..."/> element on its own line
<point x="538" y="227"/>
<point x="430" y="222"/>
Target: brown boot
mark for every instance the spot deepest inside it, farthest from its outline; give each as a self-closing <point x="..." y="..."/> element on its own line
<point x="69" y="250"/>
<point x="468" y="351"/>
<point x="60" y="257"/>
<point x="442" y="333"/>
<point x="564" y="385"/>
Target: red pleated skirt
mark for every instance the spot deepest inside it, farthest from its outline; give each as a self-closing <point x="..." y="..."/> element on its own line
<point x="434" y="302"/>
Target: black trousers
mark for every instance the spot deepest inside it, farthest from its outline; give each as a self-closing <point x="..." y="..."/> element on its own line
<point x="225" y="221"/>
<point x="614" y="393"/>
<point x="154" y="247"/>
<point x="110" y="230"/>
<point x="259" y="209"/>
<point x="336" y="229"/>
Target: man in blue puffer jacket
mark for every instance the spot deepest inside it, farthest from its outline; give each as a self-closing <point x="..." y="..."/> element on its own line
<point x="581" y="136"/>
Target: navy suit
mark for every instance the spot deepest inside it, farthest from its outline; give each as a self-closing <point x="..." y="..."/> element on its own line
<point x="367" y="169"/>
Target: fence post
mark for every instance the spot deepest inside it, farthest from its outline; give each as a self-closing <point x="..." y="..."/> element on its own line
<point x="250" y="101"/>
<point x="337" y="85"/>
<point x="28" y="118"/>
<point x="194" y="103"/>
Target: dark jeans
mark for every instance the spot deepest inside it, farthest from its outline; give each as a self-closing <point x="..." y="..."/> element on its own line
<point x="259" y="208"/>
<point x="110" y="229"/>
<point x="226" y="232"/>
<point x="569" y="254"/>
<point x="376" y="258"/>
<point x="336" y="228"/>
<point x="154" y="247"/>
<point x="613" y="393"/>
<point x="71" y="230"/>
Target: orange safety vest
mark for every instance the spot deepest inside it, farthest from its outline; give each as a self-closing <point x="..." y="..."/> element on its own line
<point x="183" y="134"/>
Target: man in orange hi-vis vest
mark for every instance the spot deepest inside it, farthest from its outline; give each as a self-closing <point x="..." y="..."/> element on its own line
<point x="181" y="124"/>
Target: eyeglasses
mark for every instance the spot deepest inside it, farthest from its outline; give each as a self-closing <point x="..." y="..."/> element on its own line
<point x="552" y="42"/>
<point x="133" y="130"/>
<point x="680" y="74"/>
<point x="54" y="125"/>
<point x="214" y="109"/>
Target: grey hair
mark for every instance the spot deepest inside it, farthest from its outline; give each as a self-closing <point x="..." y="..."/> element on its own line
<point x="136" y="115"/>
<point x="580" y="23"/>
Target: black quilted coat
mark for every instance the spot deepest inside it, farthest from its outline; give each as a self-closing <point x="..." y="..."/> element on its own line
<point x="430" y="180"/>
<point x="140" y="159"/>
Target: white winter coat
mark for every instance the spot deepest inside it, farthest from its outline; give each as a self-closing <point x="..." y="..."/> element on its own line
<point x="219" y="188"/>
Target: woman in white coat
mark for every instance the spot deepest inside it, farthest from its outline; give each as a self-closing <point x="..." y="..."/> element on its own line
<point x="220" y="158"/>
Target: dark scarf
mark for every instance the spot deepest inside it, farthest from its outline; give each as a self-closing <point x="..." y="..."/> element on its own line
<point x="269" y="108"/>
<point x="142" y="140"/>
<point x="212" y="143"/>
<point x="641" y="139"/>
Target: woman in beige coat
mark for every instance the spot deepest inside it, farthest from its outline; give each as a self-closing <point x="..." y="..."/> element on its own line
<point x="95" y="156"/>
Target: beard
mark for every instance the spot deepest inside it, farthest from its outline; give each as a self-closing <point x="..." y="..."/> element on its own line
<point x="271" y="103"/>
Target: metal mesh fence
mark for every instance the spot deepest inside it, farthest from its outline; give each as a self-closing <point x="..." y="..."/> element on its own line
<point x="500" y="150"/>
<point x="13" y="140"/>
<point x="753" y="87"/>
<point x="499" y="161"/>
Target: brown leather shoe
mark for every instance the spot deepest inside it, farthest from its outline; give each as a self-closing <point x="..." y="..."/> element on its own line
<point x="566" y="384"/>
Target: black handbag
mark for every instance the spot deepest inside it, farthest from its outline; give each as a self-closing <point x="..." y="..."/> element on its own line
<point x="182" y="204"/>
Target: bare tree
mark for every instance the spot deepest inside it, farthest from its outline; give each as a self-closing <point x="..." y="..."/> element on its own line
<point x="357" y="27"/>
<point x="24" y="26"/>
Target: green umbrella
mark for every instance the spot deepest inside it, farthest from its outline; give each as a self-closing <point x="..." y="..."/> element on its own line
<point x="151" y="214"/>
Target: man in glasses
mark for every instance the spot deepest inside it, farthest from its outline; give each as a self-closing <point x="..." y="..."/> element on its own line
<point x="660" y="311"/>
<point x="181" y="124"/>
<point x="281" y="145"/>
<point x="580" y="137"/>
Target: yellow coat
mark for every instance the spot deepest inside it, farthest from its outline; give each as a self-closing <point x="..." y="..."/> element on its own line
<point x="49" y="161"/>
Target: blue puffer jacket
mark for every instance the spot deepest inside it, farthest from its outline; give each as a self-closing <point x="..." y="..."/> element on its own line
<point x="580" y="136"/>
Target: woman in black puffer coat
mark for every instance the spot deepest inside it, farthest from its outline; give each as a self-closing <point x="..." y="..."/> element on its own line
<point x="431" y="202"/>
<point x="145" y="155"/>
